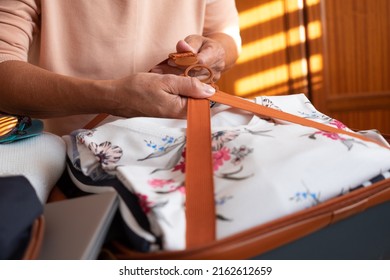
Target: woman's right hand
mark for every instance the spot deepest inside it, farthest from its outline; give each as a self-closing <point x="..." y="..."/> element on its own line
<point x="48" y="95"/>
<point x="155" y="95"/>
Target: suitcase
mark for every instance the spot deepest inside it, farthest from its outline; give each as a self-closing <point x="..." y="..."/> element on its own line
<point x="279" y="238"/>
<point x="256" y="242"/>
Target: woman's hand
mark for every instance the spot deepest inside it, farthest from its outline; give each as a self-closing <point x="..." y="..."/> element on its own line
<point x="209" y="52"/>
<point x="153" y="95"/>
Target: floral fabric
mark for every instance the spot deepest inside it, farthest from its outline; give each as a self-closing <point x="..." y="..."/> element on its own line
<point x="263" y="168"/>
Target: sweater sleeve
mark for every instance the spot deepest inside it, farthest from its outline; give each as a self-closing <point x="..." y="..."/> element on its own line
<point x="222" y="16"/>
<point x="19" y="21"/>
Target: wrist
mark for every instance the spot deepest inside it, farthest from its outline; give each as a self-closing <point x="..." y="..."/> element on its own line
<point x="101" y="96"/>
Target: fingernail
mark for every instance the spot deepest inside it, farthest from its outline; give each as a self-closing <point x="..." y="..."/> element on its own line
<point x="190" y="47"/>
<point x="171" y="63"/>
<point x="157" y="71"/>
<point x="209" y="89"/>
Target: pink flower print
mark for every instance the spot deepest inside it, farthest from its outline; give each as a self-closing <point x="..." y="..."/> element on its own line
<point x="144" y="203"/>
<point x="229" y="136"/>
<point x="160" y="183"/>
<point x="337" y="124"/>
<point x="105" y="153"/>
<point x="331" y="135"/>
<point x="166" y="186"/>
<point x="335" y="136"/>
<point x="221" y="137"/>
<point x="268" y="103"/>
<point x="219" y="157"/>
<point x="181" y="189"/>
<point x="183" y="153"/>
<point x="180" y="166"/>
<point x="80" y="137"/>
<point x="240" y="154"/>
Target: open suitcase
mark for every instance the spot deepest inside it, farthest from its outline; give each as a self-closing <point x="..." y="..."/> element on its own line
<point x="359" y="216"/>
<point x="255" y="242"/>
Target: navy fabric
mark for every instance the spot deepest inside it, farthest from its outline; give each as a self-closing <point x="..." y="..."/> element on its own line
<point x="133" y="240"/>
<point x="19" y="208"/>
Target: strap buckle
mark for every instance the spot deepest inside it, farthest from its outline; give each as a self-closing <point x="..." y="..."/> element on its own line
<point x="190" y="60"/>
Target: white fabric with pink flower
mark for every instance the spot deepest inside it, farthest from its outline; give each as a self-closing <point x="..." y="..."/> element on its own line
<point x="263" y="168"/>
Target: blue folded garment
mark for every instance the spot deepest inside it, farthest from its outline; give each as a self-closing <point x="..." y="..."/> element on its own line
<point x="19" y="208"/>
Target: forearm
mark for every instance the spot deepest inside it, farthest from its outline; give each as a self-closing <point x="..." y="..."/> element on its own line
<point x="29" y="90"/>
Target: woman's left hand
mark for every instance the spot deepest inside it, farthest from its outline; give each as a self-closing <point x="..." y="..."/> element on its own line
<point x="209" y="52"/>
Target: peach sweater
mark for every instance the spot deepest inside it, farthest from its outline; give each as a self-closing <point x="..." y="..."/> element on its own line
<point x="106" y="39"/>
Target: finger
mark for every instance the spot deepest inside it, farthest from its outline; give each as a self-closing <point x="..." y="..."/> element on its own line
<point x="196" y="72"/>
<point x="172" y="63"/>
<point x="217" y="76"/>
<point x="195" y="42"/>
<point x="183" y="46"/>
<point x="210" y="55"/>
<point x="187" y="86"/>
<point x="166" y="69"/>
